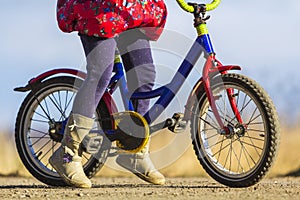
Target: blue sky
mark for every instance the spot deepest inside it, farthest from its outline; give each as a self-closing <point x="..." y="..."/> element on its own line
<point x="261" y="36"/>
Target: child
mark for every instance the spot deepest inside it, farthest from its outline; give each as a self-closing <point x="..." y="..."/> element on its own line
<point x="103" y="26"/>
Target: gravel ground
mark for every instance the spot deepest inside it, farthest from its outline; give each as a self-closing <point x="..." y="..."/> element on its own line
<point x="133" y="188"/>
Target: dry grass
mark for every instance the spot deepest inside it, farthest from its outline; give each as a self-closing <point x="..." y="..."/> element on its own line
<point x="288" y="159"/>
<point x="184" y="163"/>
<point x="10" y="163"/>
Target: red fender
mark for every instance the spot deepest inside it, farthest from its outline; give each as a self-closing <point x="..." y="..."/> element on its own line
<point x="52" y="72"/>
<point x="107" y="98"/>
<point x="193" y="95"/>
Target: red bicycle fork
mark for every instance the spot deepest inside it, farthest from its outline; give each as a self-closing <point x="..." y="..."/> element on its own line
<point x="211" y="68"/>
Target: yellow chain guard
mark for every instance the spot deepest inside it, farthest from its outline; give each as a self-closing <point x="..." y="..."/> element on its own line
<point x="120" y="116"/>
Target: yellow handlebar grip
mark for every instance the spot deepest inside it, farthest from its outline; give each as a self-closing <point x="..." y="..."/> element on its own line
<point x="185" y="6"/>
<point x="213" y="5"/>
<point x="190" y="9"/>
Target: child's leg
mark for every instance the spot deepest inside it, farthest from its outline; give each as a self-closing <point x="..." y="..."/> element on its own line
<point x="100" y="57"/>
<point x="66" y="160"/>
<point x="138" y="63"/>
<point x="140" y="72"/>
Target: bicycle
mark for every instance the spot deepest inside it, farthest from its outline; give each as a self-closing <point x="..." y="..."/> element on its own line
<point x="234" y="124"/>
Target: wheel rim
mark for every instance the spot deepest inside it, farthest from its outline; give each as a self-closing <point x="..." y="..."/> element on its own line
<point x="238" y="155"/>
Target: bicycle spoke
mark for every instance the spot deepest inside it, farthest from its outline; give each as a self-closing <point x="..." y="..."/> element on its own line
<point x="68" y="102"/>
<point x="46" y="105"/>
<point x="46" y="152"/>
<point x="41" y="106"/>
<point x="54" y="99"/>
<point x="243" y="108"/>
<point x="57" y="106"/>
<point x="60" y="102"/>
<point x="40" y="138"/>
<point x="212" y="119"/>
<point x="48" y="118"/>
<point x="40" y="121"/>
<point x="227" y="156"/>
<point x="32" y="129"/>
<point x="66" y="98"/>
<point x="254" y="119"/>
<point x="208" y="129"/>
<point x="245" y="136"/>
<point x="255" y="123"/>
<point x="252" y="115"/>
<point x="52" y="151"/>
<point x="243" y="104"/>
<point x="230" y="160"/>
<point x="254" y="146"/>
<point x="57" y="103"/>
<point x="212" y="136"/>
<point x="255" y="130"/>
<point x="243" y="149"/>
<point x="248" y="154"/>
<point x="217" y="143"/>
<point x="238" y="98"/>
<point x="239" y="159"/>
<point x="43" y="146"/>
<point x="222" y="148"/>
<point x="225" y="117"/>
<point x="205" y="121"/>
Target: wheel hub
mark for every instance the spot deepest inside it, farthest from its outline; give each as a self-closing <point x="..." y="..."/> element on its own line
<point x="229" y="131"/>
<point x="240" y="130"/>
<point x="56" y="131"/>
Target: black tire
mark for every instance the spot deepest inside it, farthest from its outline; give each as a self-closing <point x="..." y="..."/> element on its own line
<point x="33" y="141"/>
<point x="242" y="158"/>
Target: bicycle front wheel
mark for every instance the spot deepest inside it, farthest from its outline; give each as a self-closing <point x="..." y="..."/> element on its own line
<point x="238" y="159"/>
<point x="39" y="128"/>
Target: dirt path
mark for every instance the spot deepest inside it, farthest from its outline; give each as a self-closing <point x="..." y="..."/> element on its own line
<point x="132" y="188"/>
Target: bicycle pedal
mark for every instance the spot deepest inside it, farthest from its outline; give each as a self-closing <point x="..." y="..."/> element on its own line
<point x="91" y="143"/>
<point x="179" y="124"/>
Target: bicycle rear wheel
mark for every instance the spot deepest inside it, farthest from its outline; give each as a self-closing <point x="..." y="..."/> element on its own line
<point x="40" y="124"/>
<point x="242" y="158"/>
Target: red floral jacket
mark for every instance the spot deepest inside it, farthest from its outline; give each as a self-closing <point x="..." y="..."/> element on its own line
<point x="108" y="18"/>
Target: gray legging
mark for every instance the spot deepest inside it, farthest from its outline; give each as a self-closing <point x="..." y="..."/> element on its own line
<point x="138" y="63"/>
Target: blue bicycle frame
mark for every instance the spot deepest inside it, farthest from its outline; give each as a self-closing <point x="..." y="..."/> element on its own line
<point x="167" y="92"/>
